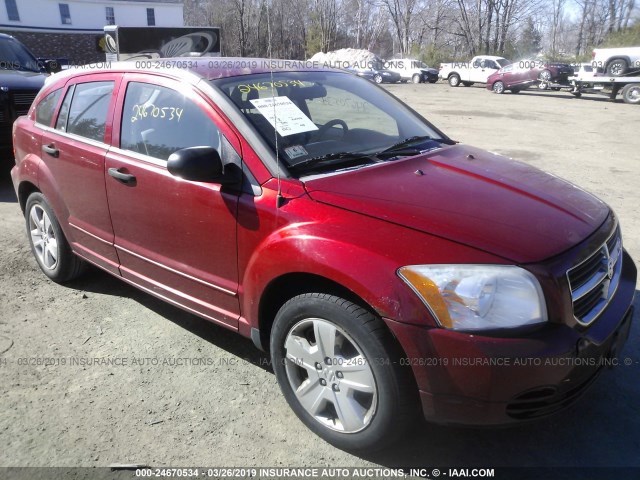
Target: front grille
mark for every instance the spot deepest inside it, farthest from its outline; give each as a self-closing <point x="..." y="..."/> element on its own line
<point x="594" y="281"/>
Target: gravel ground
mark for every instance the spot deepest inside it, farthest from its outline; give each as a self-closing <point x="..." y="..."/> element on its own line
<point x="151" y="408"/>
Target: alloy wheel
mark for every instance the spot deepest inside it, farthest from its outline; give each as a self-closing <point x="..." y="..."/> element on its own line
<point x="330" y="376"/>
<point x="43" y="236"/>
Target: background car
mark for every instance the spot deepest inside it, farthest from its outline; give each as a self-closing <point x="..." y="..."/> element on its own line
<point x="376" y="74"/>
<point x="415" y="71"/>
<point x="21" y="77"/>
<point x="617" y="61"/>
<point x="525" y="73"/>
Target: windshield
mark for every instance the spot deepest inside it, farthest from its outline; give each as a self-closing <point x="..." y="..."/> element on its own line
<point x="503" y="62"/>
<point x="14" y="56"/>
<point x="324" y="120"/>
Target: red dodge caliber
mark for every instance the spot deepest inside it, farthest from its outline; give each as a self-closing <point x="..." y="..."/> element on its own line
<point x="385" y="267"/>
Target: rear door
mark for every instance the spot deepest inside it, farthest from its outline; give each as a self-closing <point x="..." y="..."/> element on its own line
<point x="74" y="153"/>
<point x="175" y="238"/>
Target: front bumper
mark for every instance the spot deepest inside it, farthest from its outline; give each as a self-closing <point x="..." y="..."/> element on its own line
<point x="473" y="379"/>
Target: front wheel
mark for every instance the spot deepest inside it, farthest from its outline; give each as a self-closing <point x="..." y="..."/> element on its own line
<point x="416" y="78"/>
<point x="498" y="87"/>
<point x="545" y="76"/>
<point x="48" y="243"/>
<point x="454" y="80"/>
<point x="377" y="78"/>
<point x="339" y="370"/>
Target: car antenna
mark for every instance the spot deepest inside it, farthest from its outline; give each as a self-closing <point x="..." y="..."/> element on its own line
<point x="279" y="197"/>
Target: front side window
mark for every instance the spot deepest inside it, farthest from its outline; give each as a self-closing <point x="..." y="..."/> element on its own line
<point x="311" y="115"/>
<point x="12" y="10"/>
<point x="111" y="16"/>
<point x="87" y="112"/>
<point x="45" y="109"/>
<point x="157" y="121"/>
<point x="65" y="14"/>
<point x="151" y="17"/>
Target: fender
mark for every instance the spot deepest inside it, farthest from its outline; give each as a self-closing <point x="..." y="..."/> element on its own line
<point x="341" y="246"/>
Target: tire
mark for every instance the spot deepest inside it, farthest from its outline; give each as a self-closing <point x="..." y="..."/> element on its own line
<point x="617" y="67"/>
<point x="369" y="412"/>
<point x="498" y="87"/>
<point x="467" y="84"/>
<point x="48" y="243"/>
<point x="545" y="76"/>
<point x="631" y="94"/>
<point x="576" y="94"/>
<point x="515" y="90"/>
<point x="433" y="80"/>
<point x="555" y="89"/>
<point x="454" y="80"/>
<point x="416" y="78"/>
<point x="377" y="78"/>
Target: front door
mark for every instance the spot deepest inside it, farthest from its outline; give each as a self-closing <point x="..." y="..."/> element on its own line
<point x="175" y="238"/>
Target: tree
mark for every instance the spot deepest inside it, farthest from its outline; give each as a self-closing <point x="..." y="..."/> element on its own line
<point x="530" y="43"/>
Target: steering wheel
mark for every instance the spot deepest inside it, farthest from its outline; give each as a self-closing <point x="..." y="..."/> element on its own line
<point x="322" y="131"/>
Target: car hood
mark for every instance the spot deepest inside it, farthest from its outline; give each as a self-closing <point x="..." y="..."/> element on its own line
<point x="429" y="70"/>
<point x="17" y="79"/>
<point x="472" y="197"/>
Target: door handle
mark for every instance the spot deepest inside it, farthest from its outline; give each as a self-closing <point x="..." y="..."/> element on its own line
<point x="125" y="178"/>
<point x="51" y="150"/>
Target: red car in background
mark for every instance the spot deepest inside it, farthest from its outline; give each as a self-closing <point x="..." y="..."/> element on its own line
<point x="386" y="268"/>
<point x="525" y="73"/>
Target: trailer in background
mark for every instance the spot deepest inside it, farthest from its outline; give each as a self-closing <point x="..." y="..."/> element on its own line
<point x="596" y="82"/>
<point x="140" y="43"/>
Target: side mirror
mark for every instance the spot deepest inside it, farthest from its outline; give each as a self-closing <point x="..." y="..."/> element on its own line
<point x="50" y="65"/>
<point x="202" y="164"/>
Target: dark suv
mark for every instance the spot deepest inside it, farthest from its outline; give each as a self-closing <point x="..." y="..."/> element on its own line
<point x="21" y="77"/>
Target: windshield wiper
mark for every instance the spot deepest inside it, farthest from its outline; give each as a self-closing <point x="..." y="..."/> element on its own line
<point x="407" y="141"/>
<point x="329" y="159"/>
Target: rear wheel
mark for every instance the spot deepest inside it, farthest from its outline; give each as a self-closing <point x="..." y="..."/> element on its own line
<point x="454" y="80"/>
<point x="48" y="243"/>
<point x="467" y="84"/>
<point x="377" y="78"/>
<point x="416" y="78"/>
<point x="498" y="87"/>
<point x="338" y="367"/>
<point x="631" y="94"/>
<point x="515" y="90"/>
<point x="617" y="67"/>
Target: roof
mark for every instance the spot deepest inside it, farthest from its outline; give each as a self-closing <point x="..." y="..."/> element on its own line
<point x="193" y="69"/>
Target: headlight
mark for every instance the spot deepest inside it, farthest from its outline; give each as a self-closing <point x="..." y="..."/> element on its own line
<point x="478" y="297"/>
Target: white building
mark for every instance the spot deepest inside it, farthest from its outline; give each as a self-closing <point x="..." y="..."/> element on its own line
<point x="73" y="29"/>
<point x="88" y="15"/>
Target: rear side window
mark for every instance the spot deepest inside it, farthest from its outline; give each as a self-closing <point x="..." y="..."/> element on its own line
<point x="87" y="114"/>
<point x="46" y="107"/>
<point x="157" y="121"/>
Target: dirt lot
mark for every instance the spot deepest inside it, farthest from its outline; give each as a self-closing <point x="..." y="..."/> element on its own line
<point x="231" y="413"/>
